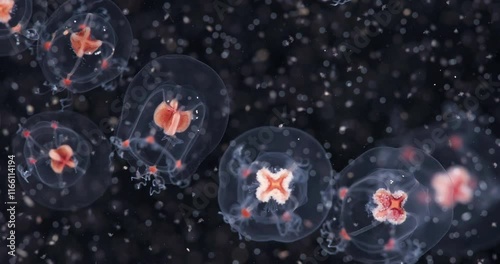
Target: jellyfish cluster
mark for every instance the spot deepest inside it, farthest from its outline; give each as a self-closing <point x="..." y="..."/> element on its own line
<point x="434" y="189"/>
<point x="174" y="112"/>
<point x="383" y="210"/>
<point x="470" y="155"/>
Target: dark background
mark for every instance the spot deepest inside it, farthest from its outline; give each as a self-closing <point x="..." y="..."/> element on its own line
<point x="283" y="63"/>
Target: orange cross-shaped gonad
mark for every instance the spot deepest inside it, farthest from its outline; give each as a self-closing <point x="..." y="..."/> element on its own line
<point x="171" y="119"/>
<point x="389" y="206"/>
<point x="83" y="43"/>
<point x="273" y="185"/>
<point x="60" y="158"/>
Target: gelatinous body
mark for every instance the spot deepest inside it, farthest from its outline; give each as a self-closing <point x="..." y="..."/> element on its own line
<point x="471" y="155"/>
<point x="275" y="184"/>
<point x="174" y="114"/>
<point x="19" y="23"/>
<point x="386" y="214"/>
<point x="84" y="44"/>
<point x="62" y="160"/>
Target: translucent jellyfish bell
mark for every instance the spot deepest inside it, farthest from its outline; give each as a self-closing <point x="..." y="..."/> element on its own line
<point x="275" y="184"/>
<point x="62" y="160"/>
<point x="383" y="211"/>
<point x="174" y="114"/>
<point x="83" y="45"/>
